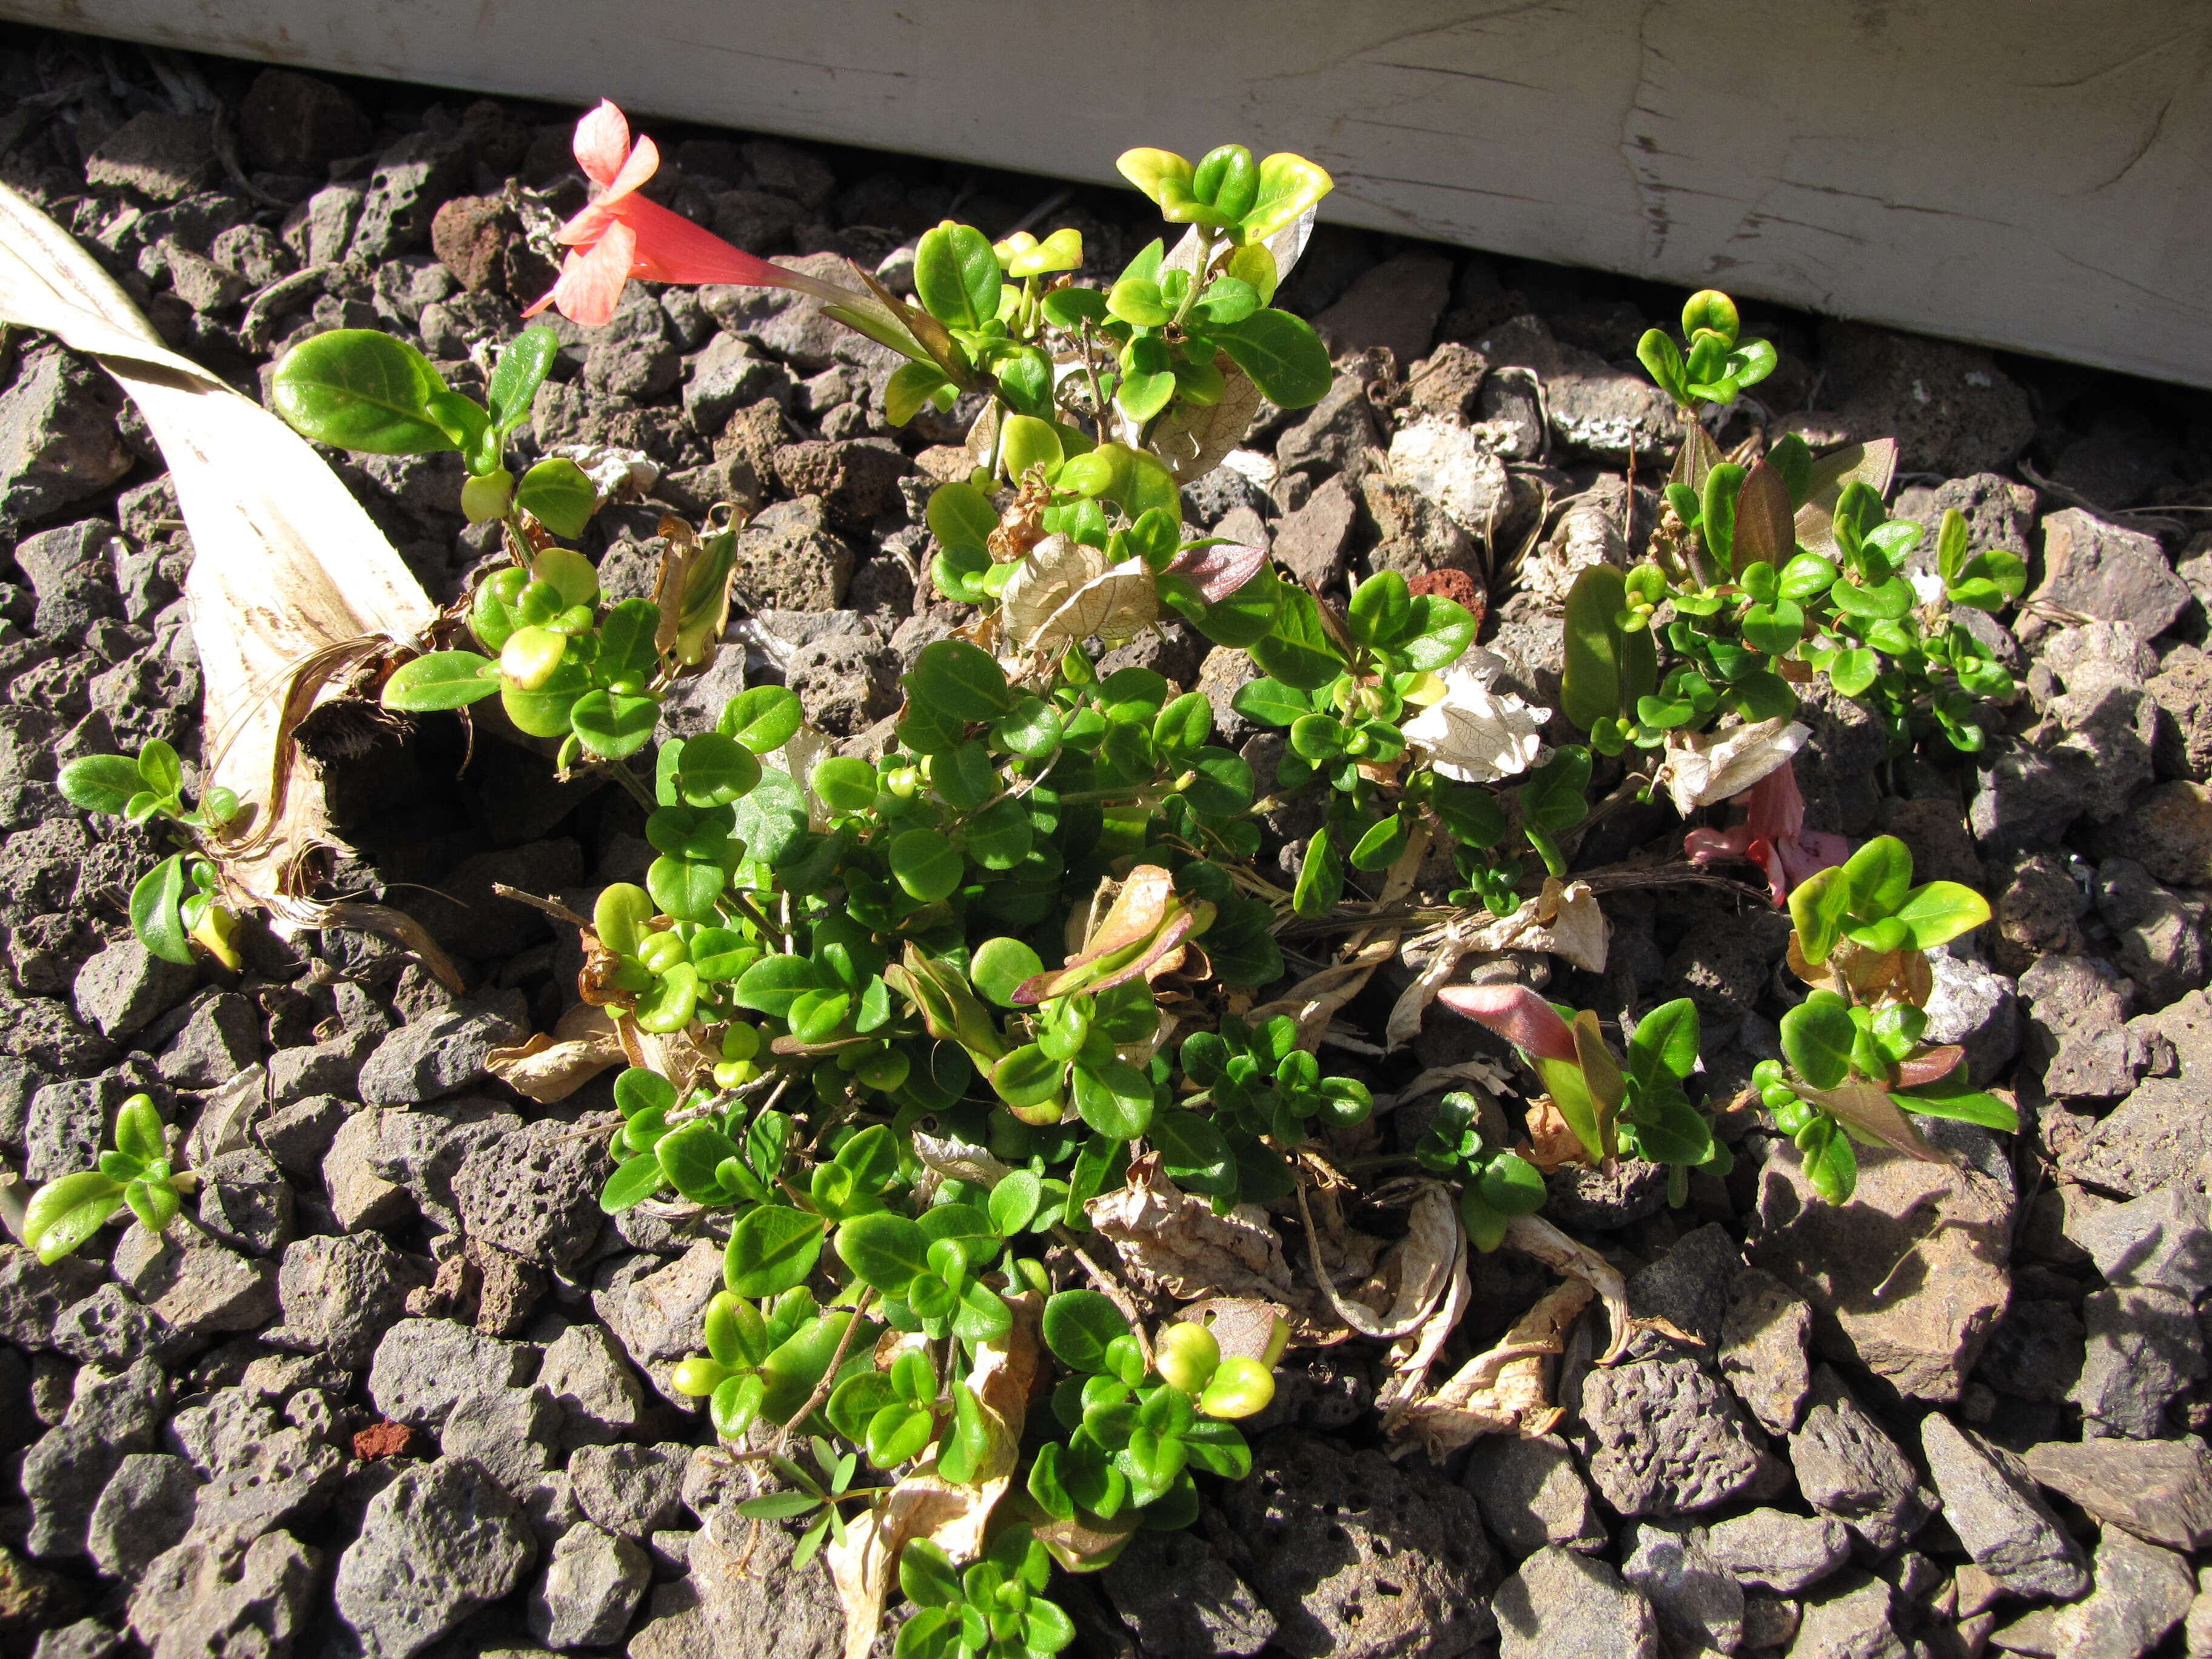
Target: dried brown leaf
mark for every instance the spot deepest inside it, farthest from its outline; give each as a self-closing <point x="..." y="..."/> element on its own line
<point x="1503" y="1391"/>
<point x="1172" y="1241"/>
<point x="553" y="1066"/>
<point x="1064" y="591"/>
<point x="924" y="1504"/>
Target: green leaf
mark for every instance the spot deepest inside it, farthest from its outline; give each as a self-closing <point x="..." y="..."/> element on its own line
<point x="668" y="1003"/>
<point x="715" y="770"/>
<point x="887" y="1250"/>
<point x="1951" y="1097"/>
<point x="763" y="718"/>
<point x="1816" y="1039"/>
<point x="691" y="1154"/>
<point x="1716" y="519"/>
<point x="772" y="1250"/>
<point x="1284" y="357"/>
<point x="1510" y="1185"/>
<point x="1665" y="1044"/>
<point x="926" y="863"/>
<point x="771" y="985"/>
<point x="612" y="726"/>
<point x="962" y="680"/>
<point x="558" y="495"/>
<point x="138" y="1131"/>
<point x="1440" y="631"/>
<point x="1194" y="1152"/>
<point x="955" y="275"/>
<point x="1320" y="876"/>
<point x="913" y="385"/>
<point x="1553" y="799"/>
<point x="1077" y="1325"/>
<point x="154" y="916"/>
<point x="1663" y="360"/>
<point x="962" y="519"/>
<point x="1590" y="686"/>
<point x="64" y="1214"/>
<point x="1033" y="729"/>
<point x="1000" y="966"/>
<point x="635" y="1179"/>
<point x="686" y="888"/>
<point x="362" y="390"/>
<point x="443" y="679"/>
<point x="155" y="1203"/>
<point x="1829" y="1162"/>
<point x="1382" y="609"/>
<point x="1378" y="849"/>
<point x="1939" y="911"/>
<point x="1271" y="702"/>
<point x="522" y="367"/>
<point x="1297" y="650"/>
<point x="104" y="783"/>
<point x="1876" y="878"/>
<point x="1025" y="442"/>
<point x="1115" y="1098"/>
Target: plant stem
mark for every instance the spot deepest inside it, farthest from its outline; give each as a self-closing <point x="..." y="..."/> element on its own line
<point x="830" y="1376"/>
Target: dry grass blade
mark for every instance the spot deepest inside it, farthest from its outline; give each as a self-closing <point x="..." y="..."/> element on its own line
<point x="291" y="586"/>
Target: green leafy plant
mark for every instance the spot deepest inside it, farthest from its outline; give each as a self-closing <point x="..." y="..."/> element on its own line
<point x="1854" y="1065"/>
<point x="178" y="902"/>
<point x="136" y="1172"/>
<point x="911" y="1014"/>
<point x="1643" y="1110"/>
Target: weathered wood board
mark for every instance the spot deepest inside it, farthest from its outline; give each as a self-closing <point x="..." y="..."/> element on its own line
<point x="2034" y="174"/>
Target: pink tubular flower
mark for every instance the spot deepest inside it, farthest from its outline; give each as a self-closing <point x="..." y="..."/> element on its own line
<point x="621" y="234"/>
<point x="1773" y="835"/>
<point x="1517" y="1014"/>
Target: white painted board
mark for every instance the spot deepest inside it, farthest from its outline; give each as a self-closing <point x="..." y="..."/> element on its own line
<point x="2032" y="174"/>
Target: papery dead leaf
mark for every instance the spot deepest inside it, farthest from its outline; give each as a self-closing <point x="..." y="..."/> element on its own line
<point x="1551" y="1140"/>
<point x="1575" y="929"/>
<point x="1191" y="440"/>
<point x="924" y="1504"/>
<point x="1704" y="769"/>
<point x="1063" y="591"/>
<point x="1419" y="1267"/>
<point x="1413" y="1354"/>
<point x="1533" y="1236"/>
<point x="1873" y="464"/>
<point x="1485" y="1075"/>
<point x="959" y="1161"/>
<point x="1171" y="1240"/>
<point x="553" y="1066"/>
<point x="291" y="586"/>
<point x="1314" y="999"/>
<point x="1503" y="1391"/>
<point x="1241" y="1325"/>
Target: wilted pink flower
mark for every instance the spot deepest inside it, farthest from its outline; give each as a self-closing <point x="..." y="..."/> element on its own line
<point x="1773" y="835"/>
<point x="1515" y="1013"/>
<point x="621" y="234"/>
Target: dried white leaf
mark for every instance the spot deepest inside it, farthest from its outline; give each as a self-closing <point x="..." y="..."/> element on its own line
<point x="1577" y="928"/>
<point x="1702" y="769"/>
<point x="1063" y="591"/>
<point x="1418" y="1268"/>
<point x="1472" y="733"/>
<point x="959" y="1161"/>
<point x="618" y="475"/>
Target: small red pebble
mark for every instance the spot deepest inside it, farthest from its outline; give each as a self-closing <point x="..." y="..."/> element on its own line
<point x="1457" y="585"/>
<point x="382" y="1440"/>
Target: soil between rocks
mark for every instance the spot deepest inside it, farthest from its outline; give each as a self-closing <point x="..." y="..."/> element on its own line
<point x="397" y="1388"/>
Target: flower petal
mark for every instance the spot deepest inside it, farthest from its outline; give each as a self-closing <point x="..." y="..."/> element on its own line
<point x="671" y="249"/>
<point x="592" y="279"/>
<point x="602" y="143"/>
<point x="644" y="161"/>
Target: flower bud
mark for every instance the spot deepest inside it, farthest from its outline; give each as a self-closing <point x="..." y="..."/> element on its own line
<point x="1186" y="1355"/>
<point x="1240" y="1388"/>
<point x="528" y="658"/>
